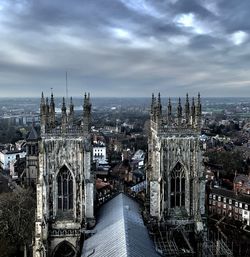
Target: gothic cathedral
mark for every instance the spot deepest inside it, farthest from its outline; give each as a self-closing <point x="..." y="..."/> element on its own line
<point x="175" y="173"/>
<point x="65" y="184"/>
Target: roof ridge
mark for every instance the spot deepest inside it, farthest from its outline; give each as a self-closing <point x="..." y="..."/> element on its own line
<point x="124" y="223"/>
<point x="121" y="231"/>
<point x="33" y="135"/>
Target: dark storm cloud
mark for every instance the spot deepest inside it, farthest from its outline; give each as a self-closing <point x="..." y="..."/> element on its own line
<point x="125" y="47"/>
<point x="235" y="15"/>
<point x="192" y="7"/>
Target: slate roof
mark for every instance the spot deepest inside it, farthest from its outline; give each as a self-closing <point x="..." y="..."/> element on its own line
<point x="32" y="134"/>
<point x="119" y="232"/>
<point x="231" y="194"/>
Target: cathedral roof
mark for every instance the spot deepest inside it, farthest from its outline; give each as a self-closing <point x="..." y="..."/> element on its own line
<point x="120" y="231"/>
<point x="32" y="135"/>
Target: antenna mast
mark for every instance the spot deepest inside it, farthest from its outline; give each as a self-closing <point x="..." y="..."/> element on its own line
<point x="67" y="93"/>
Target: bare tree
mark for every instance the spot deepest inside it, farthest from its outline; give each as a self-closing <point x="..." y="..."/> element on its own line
<point x="17" y="219"/>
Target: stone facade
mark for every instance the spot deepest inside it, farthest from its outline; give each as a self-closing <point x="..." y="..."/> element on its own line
<point x="65" y="183"/>
<point x="175" y="175"/>
<point x="32" y="153"/>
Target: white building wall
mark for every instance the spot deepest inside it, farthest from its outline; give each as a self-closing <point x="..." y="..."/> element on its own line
<point x="99" y="153"/>
<point x="7" y="157"/>
<point x="246" y="216"/>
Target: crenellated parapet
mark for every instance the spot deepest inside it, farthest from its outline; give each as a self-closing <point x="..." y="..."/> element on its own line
<point x="65" y="184"/>
<point x="175" y="172"/>
<point x="185" y="119"/>
<point x="66" y="125"/>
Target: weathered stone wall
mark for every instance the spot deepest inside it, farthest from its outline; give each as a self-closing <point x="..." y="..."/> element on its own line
<point x="73" y="153"/>
<point x="166" y="149"/>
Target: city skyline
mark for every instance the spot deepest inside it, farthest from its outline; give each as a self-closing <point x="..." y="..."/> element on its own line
<point x="124" y="48"/>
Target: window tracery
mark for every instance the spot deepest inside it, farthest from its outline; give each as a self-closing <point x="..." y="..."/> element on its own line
<point x="65" y="189"/>
<point x="177" y="186"/>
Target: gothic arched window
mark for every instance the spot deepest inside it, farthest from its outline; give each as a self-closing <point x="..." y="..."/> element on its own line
<point x="177" y="186"/>
<point x="65" y="189"/>
<point x="64" y="249"/>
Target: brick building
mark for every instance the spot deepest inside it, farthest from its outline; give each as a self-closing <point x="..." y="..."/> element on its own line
<point x="227" y="203"/>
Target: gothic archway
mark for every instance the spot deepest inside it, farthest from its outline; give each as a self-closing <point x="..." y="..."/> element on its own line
<point x="64" y="249"/>
<point x="64" y="190"/>
<point x="177" y="186"/>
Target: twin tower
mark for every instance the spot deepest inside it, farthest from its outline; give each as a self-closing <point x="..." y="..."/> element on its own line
<point x="65" y="183"/>
<point x="48" y="115"/>
<point x="187" y="117"/>
<point x="175" y="174"/>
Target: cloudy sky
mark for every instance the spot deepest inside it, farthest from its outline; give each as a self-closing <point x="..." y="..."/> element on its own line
<point x="125" y="47"/>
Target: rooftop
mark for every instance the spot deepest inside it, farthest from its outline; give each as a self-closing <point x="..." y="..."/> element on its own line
<point x="119" y="231"/>
<point x="231" y="194"/>
<point x="32" y="135"/>
<point x="12" y="151"/>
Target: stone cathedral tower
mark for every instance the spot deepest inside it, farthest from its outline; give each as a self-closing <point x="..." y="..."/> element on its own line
<point x="65" y="185"/>
<point x="175" y="172"/>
